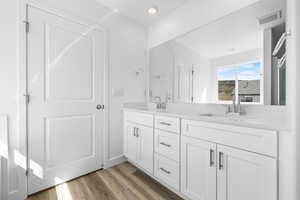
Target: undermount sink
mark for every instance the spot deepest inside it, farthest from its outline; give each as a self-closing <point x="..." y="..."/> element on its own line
<point x="232" y="118"/>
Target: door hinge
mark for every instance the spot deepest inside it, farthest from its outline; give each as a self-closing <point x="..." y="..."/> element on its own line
<point x="26" y="26"/>
<point x="26" y="172"/>
<point x="27" y="98"/>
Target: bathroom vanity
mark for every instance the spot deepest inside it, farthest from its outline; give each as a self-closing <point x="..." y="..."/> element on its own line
<point x="201" y="157"/>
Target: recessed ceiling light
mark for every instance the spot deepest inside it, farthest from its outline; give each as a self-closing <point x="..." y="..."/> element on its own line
<point x="153" y="10"/>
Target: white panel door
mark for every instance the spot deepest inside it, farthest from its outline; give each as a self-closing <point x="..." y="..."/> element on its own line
<point x="130" y="141"/>
<point x="244" y="175"/>
<point x="198" y="169"/>
<point x="65" y="82"/>
<point x="146" y="147"/>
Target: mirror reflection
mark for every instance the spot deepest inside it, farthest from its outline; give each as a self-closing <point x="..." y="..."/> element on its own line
<point x="240" y="58"/>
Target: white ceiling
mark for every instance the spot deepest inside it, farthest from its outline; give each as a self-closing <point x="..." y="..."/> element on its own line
<point x="137" y="10"/>
<point x="235" y="33"/>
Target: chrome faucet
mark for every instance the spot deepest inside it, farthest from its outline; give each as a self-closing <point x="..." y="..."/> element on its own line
<point x="159" y="104"/>
<point x="234" y="108"/>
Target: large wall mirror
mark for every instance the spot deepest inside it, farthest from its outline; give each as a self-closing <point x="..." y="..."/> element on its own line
<point x="239" y="57"/>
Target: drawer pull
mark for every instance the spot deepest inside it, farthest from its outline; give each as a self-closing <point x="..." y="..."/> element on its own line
<point x="164" y="144"/>
<point x="164" y="170"/>
<point x="211" y="157"/>
<point x="165" y="123"/>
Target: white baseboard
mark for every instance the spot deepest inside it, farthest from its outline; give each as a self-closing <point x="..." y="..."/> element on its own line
<point x="114" y="161"/>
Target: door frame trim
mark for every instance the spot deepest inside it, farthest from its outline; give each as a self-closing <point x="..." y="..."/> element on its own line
<point x="23" y="83"/>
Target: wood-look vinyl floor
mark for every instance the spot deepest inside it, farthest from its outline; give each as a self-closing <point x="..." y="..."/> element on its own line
<point x="122" y="182"/>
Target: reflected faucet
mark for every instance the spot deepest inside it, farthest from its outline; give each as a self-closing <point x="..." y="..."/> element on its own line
<point x="234" y="109"/>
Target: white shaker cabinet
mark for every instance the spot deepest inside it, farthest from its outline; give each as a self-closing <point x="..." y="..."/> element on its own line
<point x="138" y="147"/>
<point x="231" y="166"/>
<point x="244" y="175"/>
<point x="198" y="169"/>
<point x="131" y="141"/>
<point x="215" y="172"/>
<point x="145" y="148"/>
<point x="204" y="160"/>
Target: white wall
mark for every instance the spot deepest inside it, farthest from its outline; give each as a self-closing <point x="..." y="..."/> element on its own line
<point x="127" y="55"/>
<point x="161" y="71"/>
<point x="8" y="91"/>
<point x="297" y="44"/>
<point x="127" y="48"/>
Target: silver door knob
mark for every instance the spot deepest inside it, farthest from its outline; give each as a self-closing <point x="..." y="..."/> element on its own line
<point x="99" y="107"/>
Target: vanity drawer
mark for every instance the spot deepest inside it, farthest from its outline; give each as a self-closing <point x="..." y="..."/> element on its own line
<point x="138" y="118"/>
<point x="251" y="139"/>
<point x="171" y="124"/>
<point x="167" y="171"/>
<point x="167" y="144"/>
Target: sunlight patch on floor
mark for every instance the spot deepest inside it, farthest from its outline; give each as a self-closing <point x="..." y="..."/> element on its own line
<point x="63" y="192"/>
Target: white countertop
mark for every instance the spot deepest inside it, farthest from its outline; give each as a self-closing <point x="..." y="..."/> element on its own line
<point x="243" y="120"/>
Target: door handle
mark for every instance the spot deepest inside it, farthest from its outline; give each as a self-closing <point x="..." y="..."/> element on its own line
<point x="99" y="107"/>
<point x="211" y="158"/>
<point x="221" y="160"/>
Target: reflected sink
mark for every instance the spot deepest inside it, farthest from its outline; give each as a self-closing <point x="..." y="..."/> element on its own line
<point x="207" y="115"/>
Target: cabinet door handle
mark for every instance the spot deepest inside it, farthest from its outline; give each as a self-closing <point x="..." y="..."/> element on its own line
<point x="134" y="132"/>
<point x="165" y="123"/>
<point x="211" y="158"/>
<point x="164" y="144"/>
<point x="221" y="159"/>
<point x="164" y="170"/>
<point x="137" y="132"/>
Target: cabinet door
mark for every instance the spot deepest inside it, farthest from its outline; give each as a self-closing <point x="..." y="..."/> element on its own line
<point x="130" y="141"/>
<point x="198" y="169"/>
<point x="145" y="144"/>
<point x="244" y="175"/>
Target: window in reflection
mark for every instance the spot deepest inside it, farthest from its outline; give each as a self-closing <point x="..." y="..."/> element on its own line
<point x="244" y="80"/>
